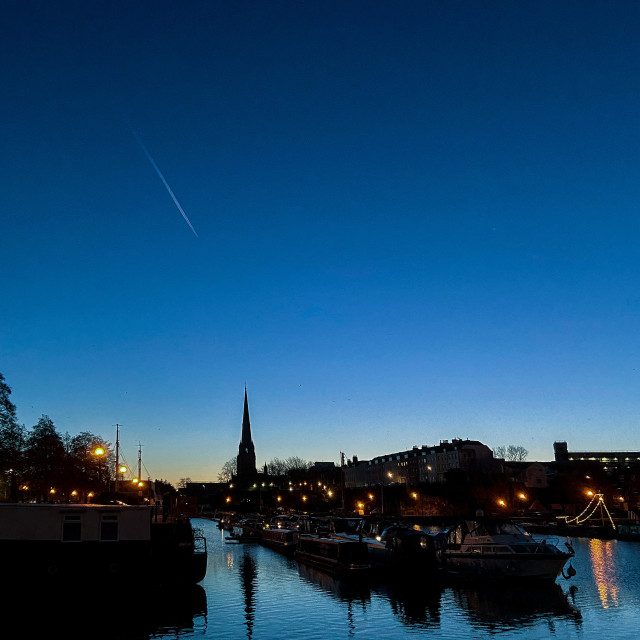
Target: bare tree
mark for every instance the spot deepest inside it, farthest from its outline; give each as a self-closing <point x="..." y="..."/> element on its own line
<point x="229" y="469"/>
<point x="512" y="453"/>
<point x="516" y="453"/>
<point x="295" y="463"/>
<point x="500" y="452"/>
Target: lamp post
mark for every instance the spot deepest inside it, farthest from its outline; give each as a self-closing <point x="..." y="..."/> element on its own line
<point x="99" y="452"/>
<point x="389" y="475"/>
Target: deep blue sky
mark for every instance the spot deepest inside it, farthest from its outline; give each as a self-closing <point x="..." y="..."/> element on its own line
<point x="415" y="221"/>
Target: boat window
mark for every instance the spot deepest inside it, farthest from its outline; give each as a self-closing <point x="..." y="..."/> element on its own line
<point x="109" y="527"/>
<point x="72" y="529"/>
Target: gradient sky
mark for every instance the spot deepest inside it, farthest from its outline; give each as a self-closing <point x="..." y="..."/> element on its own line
<point x="415" y="221"/>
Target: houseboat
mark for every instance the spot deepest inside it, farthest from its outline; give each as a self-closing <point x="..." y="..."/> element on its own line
<point x="396" y="548"/>
<point x="246" y="530"/>
<point x="281" y="540"/>
<point x="54" y="543"/>
<point x="490" y="549"/>
<point x="340" y="558"/>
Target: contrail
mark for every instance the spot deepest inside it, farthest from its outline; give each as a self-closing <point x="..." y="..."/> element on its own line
<point x="164" y="182"/>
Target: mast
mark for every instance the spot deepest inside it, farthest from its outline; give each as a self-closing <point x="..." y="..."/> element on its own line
<point x="117" y="455"/>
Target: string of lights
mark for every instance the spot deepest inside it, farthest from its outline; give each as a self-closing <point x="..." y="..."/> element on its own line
<point x="589" y="510"/>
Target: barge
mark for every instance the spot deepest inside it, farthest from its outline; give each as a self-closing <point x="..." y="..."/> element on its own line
<point x="340" y="558"/>
<point x="87" y="543"/>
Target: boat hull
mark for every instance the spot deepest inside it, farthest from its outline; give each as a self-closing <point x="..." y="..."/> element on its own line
<point x="97" y="544"/>
<point x="281" y="540"/>
<point x="339" y="558"/>
<point x="530" y="567"/>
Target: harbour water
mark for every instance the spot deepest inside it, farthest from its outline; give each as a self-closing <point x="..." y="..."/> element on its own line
<point x="253" y="593"/>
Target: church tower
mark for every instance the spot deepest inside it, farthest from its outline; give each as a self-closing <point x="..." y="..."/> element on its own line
<point x="246" y="467"/>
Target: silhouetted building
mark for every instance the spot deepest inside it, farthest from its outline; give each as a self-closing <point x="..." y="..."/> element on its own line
<point x="609" y="460"/>
<point x="532" y="475"/>
<point x="420" y="464"/>
<point x="246" y="460"/>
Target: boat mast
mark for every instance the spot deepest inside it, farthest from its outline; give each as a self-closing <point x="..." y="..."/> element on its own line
<point x="117" y="455"/>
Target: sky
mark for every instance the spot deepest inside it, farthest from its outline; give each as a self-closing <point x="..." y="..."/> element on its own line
<point x="395" y="222"/>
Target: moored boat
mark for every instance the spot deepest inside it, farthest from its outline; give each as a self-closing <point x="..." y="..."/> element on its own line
<point x="397" y="548"/>
<point x="246" y="530"/>
<point x="339" y="558"/>
<point x="281" y="540"/>
<point x="54" y="543"/>
<point x="492" y="549"/>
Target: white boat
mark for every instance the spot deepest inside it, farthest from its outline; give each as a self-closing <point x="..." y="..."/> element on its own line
<point x="490" y="549"/>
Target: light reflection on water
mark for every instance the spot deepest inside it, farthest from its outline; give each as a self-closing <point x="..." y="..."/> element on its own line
<point x="253" y="593"/>
<point x="603" y="561"/>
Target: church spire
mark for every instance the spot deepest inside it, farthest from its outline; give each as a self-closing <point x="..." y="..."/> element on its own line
<point x="246" y="461"/>
<point x="246" y="423"/>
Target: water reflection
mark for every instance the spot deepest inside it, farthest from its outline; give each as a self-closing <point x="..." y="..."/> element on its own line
<point x="415" y="605"/>
<point x="341" y="589"/>
<point x="248" y="574"/>
<point x="604" y="571"/>
<point x="258" y="594"/>
<point x="512" y="606"/>
<point x="355" y="594"/>
<point x="128" y="614"/>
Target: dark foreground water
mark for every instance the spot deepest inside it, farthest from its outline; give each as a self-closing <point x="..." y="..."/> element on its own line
<point x="251" y="592"/>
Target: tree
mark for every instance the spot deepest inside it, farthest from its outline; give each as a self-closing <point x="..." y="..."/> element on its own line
<point x="276" y="467"/>
<point x="12" y="439"/>
<point x="512" y="453"/>
<point x="229" y="469"/>
<point x="294" y="463"/>
<point x="44" y="456"/>
<point x="516" y="453"/>
<point x="84" y="470"/>
<point x="7" y="408"/>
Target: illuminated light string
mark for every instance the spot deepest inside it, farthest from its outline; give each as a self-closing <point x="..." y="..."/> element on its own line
<point x="590" y="509"/>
